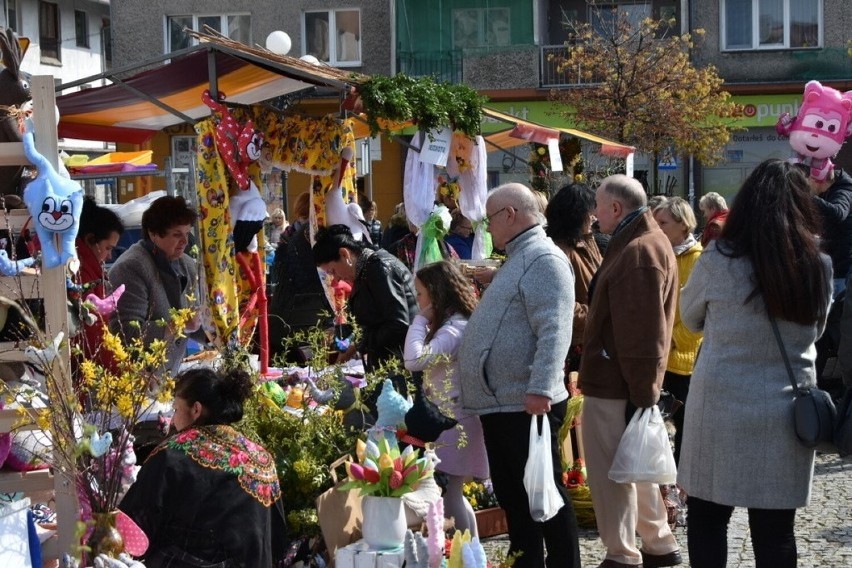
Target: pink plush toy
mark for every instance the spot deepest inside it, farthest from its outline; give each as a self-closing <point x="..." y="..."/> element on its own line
<point x="823" y="123"/>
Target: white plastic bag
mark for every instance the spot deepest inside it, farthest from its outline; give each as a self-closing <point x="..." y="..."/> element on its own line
<point x="644" y="453"/>
<point x="545" y="499"/>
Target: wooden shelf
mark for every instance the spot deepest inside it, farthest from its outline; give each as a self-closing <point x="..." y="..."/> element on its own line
<point x="26" y="481"/>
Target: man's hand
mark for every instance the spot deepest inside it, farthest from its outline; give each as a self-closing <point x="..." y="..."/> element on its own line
<point x="536" y="404"/>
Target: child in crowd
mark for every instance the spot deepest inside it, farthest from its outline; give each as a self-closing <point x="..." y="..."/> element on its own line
<point x="446" y="300"/>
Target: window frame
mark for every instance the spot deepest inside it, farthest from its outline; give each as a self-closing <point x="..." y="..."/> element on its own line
<point x="51" y="57"/>
<point x="12" y="15"/>
<point x="755" y="29"/>
<point x="84" y="40"/>
<point x="332" y="38"/>
<point x="223" y="25"/>
<point x="482" y="31"/>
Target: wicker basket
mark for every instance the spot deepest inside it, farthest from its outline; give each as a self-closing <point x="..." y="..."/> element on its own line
<point x="581" y="497"/>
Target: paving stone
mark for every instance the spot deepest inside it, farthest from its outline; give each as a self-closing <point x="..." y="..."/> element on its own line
<point x="823" y="529"/>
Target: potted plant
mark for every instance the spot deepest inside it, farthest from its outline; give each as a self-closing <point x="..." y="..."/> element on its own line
<point x="383" y="474"/>
<point x="490" y="518"/>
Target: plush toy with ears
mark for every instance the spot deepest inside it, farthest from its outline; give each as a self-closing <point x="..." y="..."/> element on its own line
<point x="55" y="204"/>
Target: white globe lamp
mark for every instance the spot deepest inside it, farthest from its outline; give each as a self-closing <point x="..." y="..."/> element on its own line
<point x="310" y="59"/>
<point x="279" y="42"/>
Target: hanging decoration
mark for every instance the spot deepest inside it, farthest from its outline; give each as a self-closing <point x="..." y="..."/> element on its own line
<point x="540" y="166"/>
<point x="468" y="163"/>
<point x="55" y="204"/>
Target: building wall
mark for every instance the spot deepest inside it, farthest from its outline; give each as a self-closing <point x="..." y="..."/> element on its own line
<point x="76" y="62"/>
<point x="755" y="66"/>
<point x="139" y="25"/>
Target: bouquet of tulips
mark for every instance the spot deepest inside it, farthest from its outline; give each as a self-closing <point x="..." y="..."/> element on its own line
<point x="385" y="471"/>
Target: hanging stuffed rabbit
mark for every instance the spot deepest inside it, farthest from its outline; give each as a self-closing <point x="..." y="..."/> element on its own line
<point x="14" y="93"/>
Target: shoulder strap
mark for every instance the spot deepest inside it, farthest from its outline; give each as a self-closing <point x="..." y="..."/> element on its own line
<point x="777" y="333"/>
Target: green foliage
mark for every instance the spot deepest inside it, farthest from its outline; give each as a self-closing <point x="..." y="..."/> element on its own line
<point x="303" y="447"/>
<point x="424" y="101"/>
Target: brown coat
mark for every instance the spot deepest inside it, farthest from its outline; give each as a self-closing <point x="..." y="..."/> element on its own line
<point x="631" y="314"/>
<point x="585" y="259"/>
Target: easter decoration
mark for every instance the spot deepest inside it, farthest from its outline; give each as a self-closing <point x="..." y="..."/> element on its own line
<point x="239" y="146"/>
<point x="55" y="204"/>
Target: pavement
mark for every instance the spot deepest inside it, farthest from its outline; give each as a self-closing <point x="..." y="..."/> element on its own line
<point x="823" y="529"/>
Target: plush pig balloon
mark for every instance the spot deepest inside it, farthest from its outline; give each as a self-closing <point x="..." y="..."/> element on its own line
<point x="823" y="123"/>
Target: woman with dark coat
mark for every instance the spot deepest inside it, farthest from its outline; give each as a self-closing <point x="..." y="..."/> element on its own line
<point x="209" y="496"/>
<point x="382" y="300"/>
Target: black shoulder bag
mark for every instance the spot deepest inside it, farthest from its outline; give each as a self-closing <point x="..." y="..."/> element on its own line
<point x="813" y="411"/>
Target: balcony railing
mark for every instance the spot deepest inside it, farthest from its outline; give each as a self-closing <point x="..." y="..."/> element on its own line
<point x="552" y="57"/>
<point x="444" y="66"/>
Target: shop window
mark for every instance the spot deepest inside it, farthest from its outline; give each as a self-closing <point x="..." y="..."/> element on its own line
<point x="236" y="26"/>
<point x="81" y="28"/>
<point x="333" y="36"/>
<point x="49" y="33"/>
<point x="771" y="24"/>
<point x="481" y="27"/>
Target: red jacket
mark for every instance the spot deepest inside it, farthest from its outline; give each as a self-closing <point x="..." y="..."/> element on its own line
<point x="713" y="228"/>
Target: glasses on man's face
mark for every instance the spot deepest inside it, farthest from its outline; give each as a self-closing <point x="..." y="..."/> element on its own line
<point x="490" y="217"/>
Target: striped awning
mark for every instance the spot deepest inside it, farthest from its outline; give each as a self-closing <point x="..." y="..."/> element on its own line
<point x="135" y="108"/>
<point x="524" y="132"/>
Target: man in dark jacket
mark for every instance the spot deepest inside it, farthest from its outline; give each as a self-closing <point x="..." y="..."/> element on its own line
<point x="632" y="302"/>
<point x="833" y="198"/>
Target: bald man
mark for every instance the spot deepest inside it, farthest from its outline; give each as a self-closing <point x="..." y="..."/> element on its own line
<point x="632" y="302"/>
<point x="512" y="357"/>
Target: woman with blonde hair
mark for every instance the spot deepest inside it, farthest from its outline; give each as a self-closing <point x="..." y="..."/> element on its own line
<point x="676" y="219"/>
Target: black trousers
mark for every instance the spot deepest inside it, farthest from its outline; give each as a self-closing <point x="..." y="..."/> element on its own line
<point x="677" y="385"/>
<point x="507" y="445"/>
<point x="772" y="536"/>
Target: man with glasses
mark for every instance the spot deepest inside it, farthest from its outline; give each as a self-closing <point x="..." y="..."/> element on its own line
<point x="511" y="359"/>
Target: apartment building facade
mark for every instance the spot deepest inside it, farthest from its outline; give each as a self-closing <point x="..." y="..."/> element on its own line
<point x="766" y="50"/>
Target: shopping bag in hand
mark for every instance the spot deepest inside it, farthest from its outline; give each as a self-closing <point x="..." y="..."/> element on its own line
<point x="644" y="453"/>
<point x="545" y="499"/>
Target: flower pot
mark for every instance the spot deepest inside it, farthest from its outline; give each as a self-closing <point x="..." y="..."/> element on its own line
<point x="491" y="522"/>
<point x="383" y="527"/>
<point x="105" y="538"/>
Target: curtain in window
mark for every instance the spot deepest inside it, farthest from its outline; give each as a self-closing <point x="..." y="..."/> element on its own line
<point x="771" y="22"/>
<point x="738" y="24"/>
<point x="804" y="23"/>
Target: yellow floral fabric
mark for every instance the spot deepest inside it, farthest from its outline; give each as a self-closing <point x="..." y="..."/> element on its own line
<point x="306" y="144"/>
<point x="227" y="288"/>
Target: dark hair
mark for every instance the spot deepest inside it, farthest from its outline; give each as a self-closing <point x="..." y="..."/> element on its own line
<point x="221" y="394"/>
<point x="329" y="241"/>
<point x="98" y="221"/>
<point x="773" y="223"/>
<point x="450" y="292"/>
<point x="567" y="213"/>
<point x="165" y="213"/>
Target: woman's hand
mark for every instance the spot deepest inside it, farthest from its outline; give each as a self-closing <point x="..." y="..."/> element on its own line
<point x="427" y="312"/>
<point x="345" y="356"/>
<point x="484" y="274"/>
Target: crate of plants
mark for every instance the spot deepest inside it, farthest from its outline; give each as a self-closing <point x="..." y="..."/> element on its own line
<point x="490" y="518"/>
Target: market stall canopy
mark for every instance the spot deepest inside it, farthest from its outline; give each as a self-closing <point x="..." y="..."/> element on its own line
<point x="133" y="109"/>
<point x="525" y="131"/>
